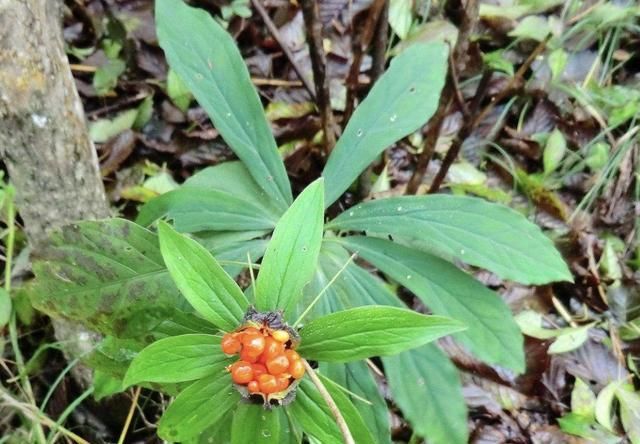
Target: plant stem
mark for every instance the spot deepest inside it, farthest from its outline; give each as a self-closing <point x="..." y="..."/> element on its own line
<point x="127" y="423"/>
<point x="13" y="330"/>
<point x="278" y="38"/>
<point x="335" y="411"/>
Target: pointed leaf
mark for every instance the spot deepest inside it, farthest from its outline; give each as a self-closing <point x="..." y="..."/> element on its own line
<point x="207" y="59"/>
<point x="364" y="332"/>
<point x="468" y="229"/>
<point x="493" y="335"/>
<point x="403" y="100"/>
<point x="223" y="197"/>
<point x="426" y="386"/>
<point x="292" y="254"/>
<point x="202" y="281"/>
<point x="198" y="407"/>
<point x="178" y="359"/>
<point x="252" y="423"/>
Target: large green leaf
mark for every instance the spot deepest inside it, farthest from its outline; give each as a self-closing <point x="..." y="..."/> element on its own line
<point x="198" y="407"/>
<point x="253" y="424"/>
<point x="202" y="281"/>
<point x="426" y="386"/>
<point x="292" y="254"/>
<point x="223" y="197"/>
<point x="312" y="412"/>
<point x="178" y="359"/>
<point x="356" y="377"/>
<point x="403" y="100"/>
<point x="469" y="229"/>
<point x="493" y="335"/>
<point x="363" y="332"/>
<point x="207" y="59"/>
<point x="107" y="274"/>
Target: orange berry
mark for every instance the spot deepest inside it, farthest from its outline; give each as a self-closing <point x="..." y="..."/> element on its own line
<point x="253" y="387"/>
<point x="230" y="345"/>
<point x="251" y="331"/>
<point x="292" y="355"/>
<point x="282" y="383"/>
<point x="258" y="369"/>
<point x="278" y="365"/>
<point x="272" y="348"/>
<point x="296" y="369"/>
<point x="241" y="372"/>
<point x="280" y="335"/>
<point x="245" y="356"/>
<point x="253" y="344"/>
<point x="268" y="383"/>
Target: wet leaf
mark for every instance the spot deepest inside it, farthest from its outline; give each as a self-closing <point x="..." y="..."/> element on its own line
<point x="463" y="228"/>
<point x="492" y="334"/>
<point x="207" y="59"/>
<point x="401" y="101"/>
<point x="426" y="386"/>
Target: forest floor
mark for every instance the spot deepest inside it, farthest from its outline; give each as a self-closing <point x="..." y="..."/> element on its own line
<point x="542" y="112"/>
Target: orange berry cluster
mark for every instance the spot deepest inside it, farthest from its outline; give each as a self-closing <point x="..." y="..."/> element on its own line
<point x="267" y="363"/>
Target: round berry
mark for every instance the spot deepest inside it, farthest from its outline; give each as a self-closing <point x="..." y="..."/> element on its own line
<point x="272" y="348"/>
<point x="268" y="384"/>
<point x="245" y="356"/>
<point x="258" y="369"/>
<point x="292" y="355"/>
<point x="253" y="344"/>
<point x="230" y="345"/>
<point x="253" y="387"/>
<point x="278" y="365"/>
<point x="280" y="335"/>
<point x="296" y="369"/>
<point x="282" y="383"/>
<point x="241" y="372"/>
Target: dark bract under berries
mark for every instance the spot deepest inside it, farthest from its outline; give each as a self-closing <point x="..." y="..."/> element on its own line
<point x="269" y="368"/>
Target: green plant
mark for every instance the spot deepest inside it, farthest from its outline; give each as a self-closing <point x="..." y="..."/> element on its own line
<point x="116" y="276"/>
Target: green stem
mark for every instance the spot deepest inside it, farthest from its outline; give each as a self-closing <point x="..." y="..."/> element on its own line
<point x="13" y="330"/>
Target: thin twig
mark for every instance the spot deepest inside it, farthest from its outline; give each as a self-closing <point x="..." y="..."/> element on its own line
<point x="335" y="411"/>
<point x="467" y="128"/>
<point x="127" y="422"/>
<point x="278" y="38"/>
<point x="319" y="67"/>
<point x="359" y="49"/>
<point x="380" y="42"/>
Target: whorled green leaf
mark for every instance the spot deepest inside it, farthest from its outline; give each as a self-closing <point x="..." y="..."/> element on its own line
<point x="178" y="359"/>
<point x="292" y="254"/>
<point x="207" y="59"/>
<point x="468" y="229"/>
<point x="202" y="281"/>
<point x="223" y="197"/>
<point x="403" y="100"/>
<point x="108" y="275"/>
<point x="198" y="407"/>
<point x="363" y="332"/>
<point x="311" y="411"/>
<point x="493" y="335"/>
<point x="252" y="423"/>
<point x="357" y="378"/>
<point x="426" y="386"/>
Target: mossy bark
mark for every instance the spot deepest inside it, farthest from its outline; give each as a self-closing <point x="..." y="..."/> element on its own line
<point x="44" y="140"/>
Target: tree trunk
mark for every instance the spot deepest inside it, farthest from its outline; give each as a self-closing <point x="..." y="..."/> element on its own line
<point x="43" y="136"/>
